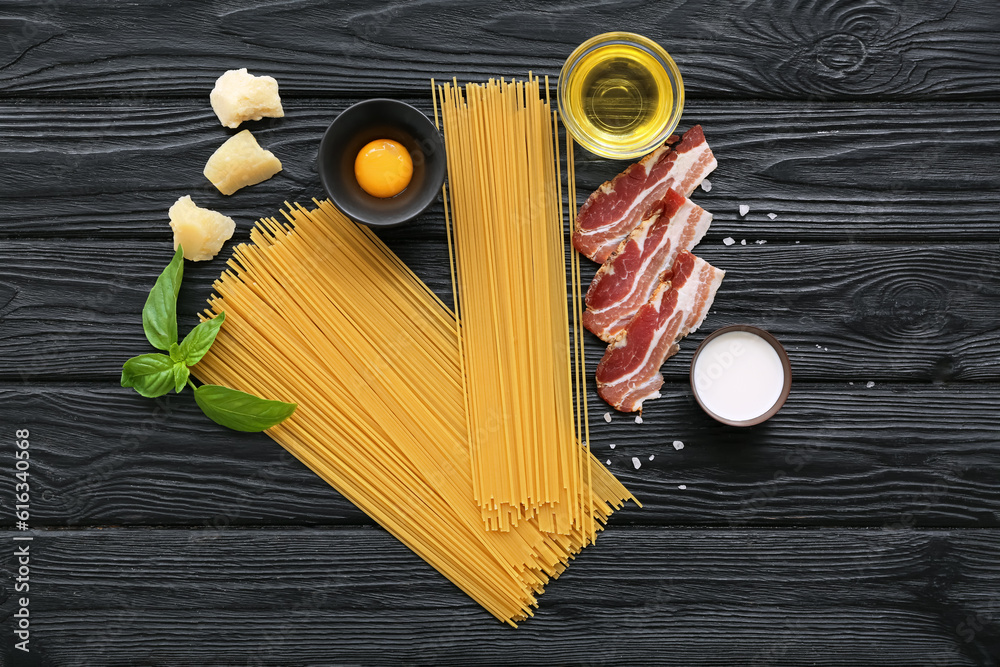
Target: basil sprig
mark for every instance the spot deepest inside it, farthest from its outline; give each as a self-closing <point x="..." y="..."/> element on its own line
<point x="153" y="375"/>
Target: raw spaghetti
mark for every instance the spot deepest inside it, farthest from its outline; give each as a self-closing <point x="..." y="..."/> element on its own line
<point x="320" y="312"/>
<point x="523" y="372"/>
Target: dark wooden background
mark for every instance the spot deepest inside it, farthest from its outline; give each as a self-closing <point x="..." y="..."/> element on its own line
<point x="861" y="525"/>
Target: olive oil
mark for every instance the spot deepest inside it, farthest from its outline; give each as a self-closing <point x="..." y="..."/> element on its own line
<point x="618" y="97"/>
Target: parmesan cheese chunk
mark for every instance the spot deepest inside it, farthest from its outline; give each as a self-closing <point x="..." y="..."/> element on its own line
<point x="240" y="96"/>
<point x="200" y="230"/>
<point x="240" y="162"/>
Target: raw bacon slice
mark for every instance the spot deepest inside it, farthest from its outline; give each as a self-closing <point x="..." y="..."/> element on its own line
<point x="616" y="207"/>
<point x="629" y="277"/>
<point x="629" y="373"/>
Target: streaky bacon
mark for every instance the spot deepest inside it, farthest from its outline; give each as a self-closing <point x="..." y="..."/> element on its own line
<point x="629" y="373"/>
<point x="616" y="207"/>
<point x="630" y="275"/>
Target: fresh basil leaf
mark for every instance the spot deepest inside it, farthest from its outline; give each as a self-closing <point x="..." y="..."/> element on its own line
<point x="175" y="353"/>
<point x="240" y="411"/>
<point x="197" y="342"/>
<point x="181" y="375"/>
<point x="159" y="315"/>
<point x="151" y="375"/>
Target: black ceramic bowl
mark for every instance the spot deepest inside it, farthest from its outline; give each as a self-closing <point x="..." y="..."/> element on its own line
<point x="381" y="119"/>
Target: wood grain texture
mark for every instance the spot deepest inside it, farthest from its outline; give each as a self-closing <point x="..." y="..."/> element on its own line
<point x="858" y="526"/>
<point x="835" y="455"/>
<point x="853" y="312"/>
<point x="828" y="171"/>
<point x="671" y="597"/>
<point x="833" y="49"/>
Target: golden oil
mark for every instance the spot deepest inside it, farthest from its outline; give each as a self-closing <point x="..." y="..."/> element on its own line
<point x="619" y="97"/>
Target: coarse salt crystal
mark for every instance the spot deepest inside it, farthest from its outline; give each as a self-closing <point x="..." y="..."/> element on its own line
<point x="678" y="445"/>
<point x="870" y="384"/>
<point x="706" y="185"/>
<point x="851" y="383"/>
<point x="729" y="240"/>
<point x="682" y="486"/>
<point x="761" y="242"/>
<point x="608" y="462"/>
<point x="772" y="215"/>
<point x="797" y="242"/>
<point x="607" y="417"/>
<point x="743" y="242"/>
<point x="636" y="462"/>
<point x="612" y="445"/>
<point x="744" y="209"/>
<point x="651" y="456"/>
<point x="638" y="420"/>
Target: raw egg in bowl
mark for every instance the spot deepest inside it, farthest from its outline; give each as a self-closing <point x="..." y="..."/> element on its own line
<point x="382" y="162"/>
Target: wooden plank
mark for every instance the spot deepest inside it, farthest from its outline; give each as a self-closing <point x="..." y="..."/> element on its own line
<point x="827" y="171"/>
<point x="852" y="312"/>
<point x="892" y="456"/>
<point x="355" y="596"/>
<point x="839" y="50"/>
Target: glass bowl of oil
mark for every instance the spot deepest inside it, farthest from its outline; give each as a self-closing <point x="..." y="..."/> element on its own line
<point x="620" y="95"/>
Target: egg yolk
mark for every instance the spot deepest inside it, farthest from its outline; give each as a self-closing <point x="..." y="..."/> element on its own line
<point x="383" y="168"/>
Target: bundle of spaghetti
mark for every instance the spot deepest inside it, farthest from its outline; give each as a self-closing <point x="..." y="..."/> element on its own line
<point x="505" y="189"/>
<point x="321" y="313"/>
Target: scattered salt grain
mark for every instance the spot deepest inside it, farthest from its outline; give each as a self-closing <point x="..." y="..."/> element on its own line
<point x="608" y="462"/>
<point x="636" y="462"/>
<point x="607" y="417"/>
<point x="678" y="445"/>
<point x="761" y="242"/>
<point x="729" y="240"/>
<point x="819" y="347"/>
<point x="651" y="456"/>
<point x="744" y="209"/>
<point x="743" y="242"/>
<point x="612" y="445"/>
<point x="851" y="383"/>
<point x="682" y="486"/>
<point x="638" y="420"/>
<point x="706" y="185"/>
<point x="870" y="384"/>
<point x="798" y="242"/>
<point x="772" y="215"/>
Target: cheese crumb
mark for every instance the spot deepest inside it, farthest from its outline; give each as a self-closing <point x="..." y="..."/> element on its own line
<point x="607" y="417"/>
<point x="636" y="462"/>
<point x="706" y="185"/>
<point x="239" y="96"/>
<point x="678" y="445"/>
<point x="744" y="209"/>
<point x="201" y="231"/>
<point x="240" y="162"/>
<point x="729" y="240"/>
